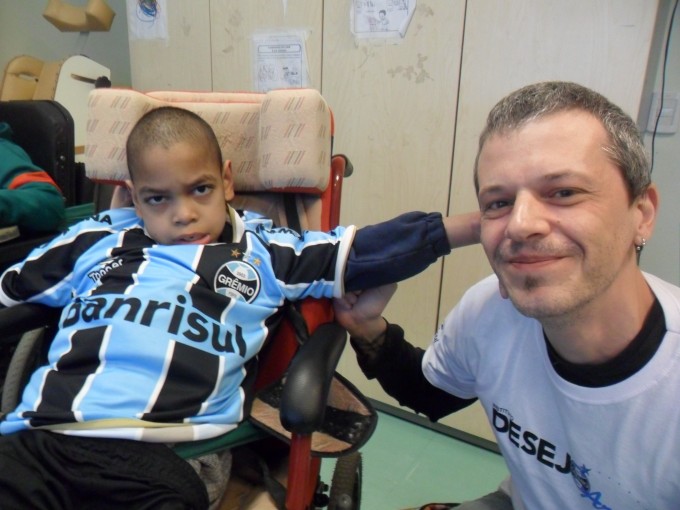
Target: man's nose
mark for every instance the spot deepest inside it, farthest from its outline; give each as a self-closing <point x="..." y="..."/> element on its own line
<point x="529" y="217"/>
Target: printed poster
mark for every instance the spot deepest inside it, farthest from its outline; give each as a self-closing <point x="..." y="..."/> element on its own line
<point x="382" y="19"/>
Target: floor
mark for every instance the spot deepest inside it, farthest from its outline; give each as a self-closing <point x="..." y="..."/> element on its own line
<point x="406" y="465"/>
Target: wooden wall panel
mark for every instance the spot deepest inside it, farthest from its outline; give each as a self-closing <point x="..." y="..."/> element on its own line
<point x="235" y="21"/>
<point x="209" y="44"/>
<point x="182" y="62"/>
<point x="604" y="45"/>
<point x="395" y="111"/>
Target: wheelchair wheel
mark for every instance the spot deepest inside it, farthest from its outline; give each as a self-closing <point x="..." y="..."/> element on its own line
<point x="345" y="493"/>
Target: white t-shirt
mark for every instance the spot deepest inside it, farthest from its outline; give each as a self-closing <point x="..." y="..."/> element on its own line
<point x="566" y="446"/>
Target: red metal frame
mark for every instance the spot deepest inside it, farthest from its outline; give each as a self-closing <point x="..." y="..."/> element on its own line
<point x="303" y="469"/>
<point x="301" y="475"/>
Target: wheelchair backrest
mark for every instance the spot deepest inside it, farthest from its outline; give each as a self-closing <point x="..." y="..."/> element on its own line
<point x="279" y="144"/>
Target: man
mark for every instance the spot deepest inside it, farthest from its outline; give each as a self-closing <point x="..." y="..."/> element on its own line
<point x="573" y="352"/>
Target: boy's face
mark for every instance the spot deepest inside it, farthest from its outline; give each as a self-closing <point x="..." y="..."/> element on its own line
<point x="180" y="194"/>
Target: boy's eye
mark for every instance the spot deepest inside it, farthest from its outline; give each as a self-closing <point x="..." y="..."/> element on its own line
<point x="203" y="189"/>
<point x="154" y="199"/>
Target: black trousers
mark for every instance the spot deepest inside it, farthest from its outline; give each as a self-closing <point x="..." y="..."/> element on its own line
<point x="50" y="471"/>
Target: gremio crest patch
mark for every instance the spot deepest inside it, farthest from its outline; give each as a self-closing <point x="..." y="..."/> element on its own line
<point x="238" y="280"/>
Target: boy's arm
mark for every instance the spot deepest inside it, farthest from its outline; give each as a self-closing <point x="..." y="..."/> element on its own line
<point x="397" y="249"/>
<point x="44" y="276"/>
<point x="463" y="229"/>
<point x="384" y="354"/>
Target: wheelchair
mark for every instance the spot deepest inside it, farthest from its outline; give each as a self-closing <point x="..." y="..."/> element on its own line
<point x="302" y="407"/>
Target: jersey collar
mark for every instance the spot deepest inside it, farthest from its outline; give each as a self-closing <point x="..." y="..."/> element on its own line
<point x="238" y="228"/>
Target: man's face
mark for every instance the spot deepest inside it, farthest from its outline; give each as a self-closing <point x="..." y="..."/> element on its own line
<point x="180" y="194"/>
<point x="557" y="224"/>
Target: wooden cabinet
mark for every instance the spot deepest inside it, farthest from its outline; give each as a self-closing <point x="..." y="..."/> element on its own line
<point x="208" y="44"/>
<point x="408" y="114"/>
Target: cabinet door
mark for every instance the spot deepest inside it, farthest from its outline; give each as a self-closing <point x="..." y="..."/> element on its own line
<point x="395" y="113"/>
<point x="604" y="45"/>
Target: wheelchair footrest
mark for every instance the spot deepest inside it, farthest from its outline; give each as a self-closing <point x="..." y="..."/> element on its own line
<point x="349" y="419"/>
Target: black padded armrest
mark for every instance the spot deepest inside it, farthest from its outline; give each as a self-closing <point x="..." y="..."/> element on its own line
<point x="18" y="249"/>
<point x="25" y="317"/>
<point x="305" y="392"/>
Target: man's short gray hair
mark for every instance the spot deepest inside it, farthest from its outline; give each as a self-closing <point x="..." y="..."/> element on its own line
<point x="625" y="147"/>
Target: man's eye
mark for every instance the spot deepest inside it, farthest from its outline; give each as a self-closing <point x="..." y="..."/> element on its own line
<point x="497" y="204"/>
<point x="495" y="208"/>
<point x="563" y="193"/>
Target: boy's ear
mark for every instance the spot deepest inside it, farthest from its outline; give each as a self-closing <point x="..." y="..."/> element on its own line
<point x="131" y="189"/>
<point x="132" y="195"/>
<point x="228" y="179"/>
<point x="122" y="195"/>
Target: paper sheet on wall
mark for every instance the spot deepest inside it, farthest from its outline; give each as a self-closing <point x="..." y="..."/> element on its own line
<point x="147" y="19"/>
<point x="279" y="60"/>
<point x="382" y="19"/>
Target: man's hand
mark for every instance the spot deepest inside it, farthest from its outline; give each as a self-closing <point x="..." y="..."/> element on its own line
<point x="361" y="312"/>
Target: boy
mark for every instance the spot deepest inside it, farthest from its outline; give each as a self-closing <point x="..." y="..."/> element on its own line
<point x="166" y="306"/>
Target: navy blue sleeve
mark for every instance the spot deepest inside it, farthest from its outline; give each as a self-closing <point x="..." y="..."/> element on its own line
<point x="395" y="250"/>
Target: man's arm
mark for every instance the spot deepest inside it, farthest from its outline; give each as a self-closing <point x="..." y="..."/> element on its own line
<point x="384" y="354"/>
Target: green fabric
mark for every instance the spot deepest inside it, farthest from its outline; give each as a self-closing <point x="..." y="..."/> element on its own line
<point x="35" y="206"/>
<point x="246" y="432"/>
<point x="79" y="212"/>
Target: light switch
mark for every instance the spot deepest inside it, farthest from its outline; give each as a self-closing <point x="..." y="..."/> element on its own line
<point x="670" y="113"/>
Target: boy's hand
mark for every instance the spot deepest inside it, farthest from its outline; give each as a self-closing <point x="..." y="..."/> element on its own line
<point x="360" y="313"/>
<point x="463" y="229"/>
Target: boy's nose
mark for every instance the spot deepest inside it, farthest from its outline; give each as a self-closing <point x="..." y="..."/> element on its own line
<point x="184" y="213"/>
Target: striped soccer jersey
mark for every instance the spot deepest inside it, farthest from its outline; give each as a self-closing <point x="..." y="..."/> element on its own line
<point x="156" y="343"/>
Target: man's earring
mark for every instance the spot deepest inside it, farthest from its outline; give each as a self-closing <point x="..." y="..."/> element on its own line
<point x="638" y="249"/>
